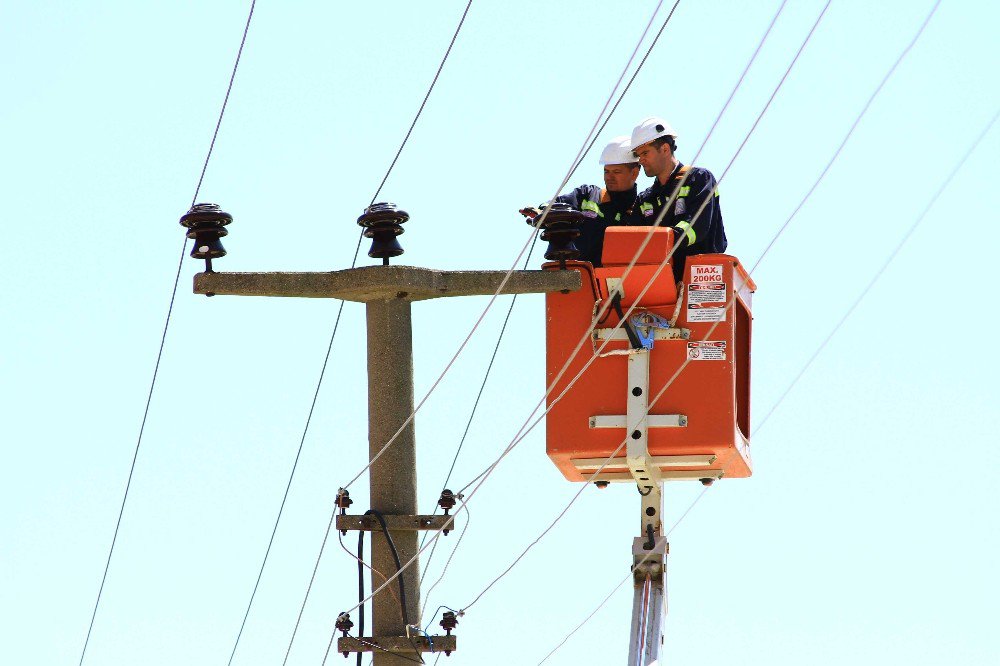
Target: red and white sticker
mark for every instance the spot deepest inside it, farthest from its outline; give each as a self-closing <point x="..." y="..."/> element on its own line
<point x="706" y="302"/>
<point x="701" y="274"/>
<point x="707" y="350"/>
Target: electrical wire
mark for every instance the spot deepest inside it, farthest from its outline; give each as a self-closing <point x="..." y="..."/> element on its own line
<point x="163" y="340"/>
<point x="854" y="305"/>
<point x="333" y="335"/>
<point x="627" y="86"/>
<point x="510" y="271"/>
<point x="722" y="176"/>
<point x="395" y="558"/>
<point x="878" y="274"/>
<point x="495" y="295"/>
<point x="486" y="474"/>
<point x="621" y="582"/>
<point x="472" y="414"/>
<point x="291" y="477"/>
<point x="362" y="563"/>
<point x="503" y="329"/>
<point x="430" y="89"/>
<point x="444" y="571"/>
<point x="729" y="305"/>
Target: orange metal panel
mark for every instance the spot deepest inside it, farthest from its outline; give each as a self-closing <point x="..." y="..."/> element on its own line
<point x="712" y="390"/>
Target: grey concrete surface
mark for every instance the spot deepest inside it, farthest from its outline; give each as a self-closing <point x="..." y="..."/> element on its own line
<point x="374" y="283"/>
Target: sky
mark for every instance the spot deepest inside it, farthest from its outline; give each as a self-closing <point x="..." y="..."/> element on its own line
<point x="867" y="534"/>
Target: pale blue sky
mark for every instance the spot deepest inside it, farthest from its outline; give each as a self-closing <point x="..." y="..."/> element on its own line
<point x="867" y="534"/>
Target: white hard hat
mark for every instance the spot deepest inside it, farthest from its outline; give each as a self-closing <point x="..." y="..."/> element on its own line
<point x="649" y="130"/>
<point x="619" y="151"/>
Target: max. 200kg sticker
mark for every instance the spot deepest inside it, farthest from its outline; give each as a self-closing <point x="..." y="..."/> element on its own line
<point x="700" y="274"/>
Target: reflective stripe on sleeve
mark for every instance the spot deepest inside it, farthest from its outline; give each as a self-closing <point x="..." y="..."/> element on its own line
<point x="688" y="231"/>
<point x="591" y="206"/>
<point x="684" y="191"/>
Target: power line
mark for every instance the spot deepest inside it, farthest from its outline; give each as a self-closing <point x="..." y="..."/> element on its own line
<point x="503" y="328"/>
<point x="523" y="433"/>
<point x="585" y="337"/>
<point x="329" y="348"/>
<point x="781" y="230"/>
<point x="163" y="340"/>
<point x="622" y="581"/>
<point x="892" y="255"/>
<point x="850" y="310"/>
<point x="878" y="274"/>
<point x="627" y="86"/>
<point x="430" y="89"/>
<point x="502" y="284"/>
<point x="506" y="278"/>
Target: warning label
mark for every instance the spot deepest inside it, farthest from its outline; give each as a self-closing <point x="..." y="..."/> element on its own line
<point x="706" y="302"/>
<point x="707" y="350"/>
<point x="703" y="274"/>
<point x="699" y="294"/>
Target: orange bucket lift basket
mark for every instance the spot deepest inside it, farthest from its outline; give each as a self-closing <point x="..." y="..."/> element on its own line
<point x="697" y="341"/>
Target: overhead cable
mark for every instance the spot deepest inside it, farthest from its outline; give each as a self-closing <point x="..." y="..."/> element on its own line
<point x="333" y="335"/>
<point x="632" y="263"/>
<point x="627" y="86"/>
<point x="729" y="305"/>
<point x="503" y="328"/>
<point x="163" y="340"/>
<point x="517" y="259"/>
<point x="871" y="283"/>
<point x="503" y="283"/>
<point x="622" y="581"/>
<point x="885" y="264"/>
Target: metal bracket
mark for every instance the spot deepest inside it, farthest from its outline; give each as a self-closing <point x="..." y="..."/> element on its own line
<point x="369" y="523"/>
<point x="396" y="644"/>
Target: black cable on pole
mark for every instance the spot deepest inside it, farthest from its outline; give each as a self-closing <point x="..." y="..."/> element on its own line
<point x="361" y="587"/>
<point x="395" y="557"/>
<point x="163" y="341"/>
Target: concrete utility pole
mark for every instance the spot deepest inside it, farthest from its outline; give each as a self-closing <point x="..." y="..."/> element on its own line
<point x="388" y="292"/>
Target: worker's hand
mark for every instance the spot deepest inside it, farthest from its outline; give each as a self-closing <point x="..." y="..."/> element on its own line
<point x="530" y="212"/>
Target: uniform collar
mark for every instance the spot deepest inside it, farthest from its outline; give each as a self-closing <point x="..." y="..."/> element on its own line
<point x="606" y="194"/>
<point x="656" y="181"/>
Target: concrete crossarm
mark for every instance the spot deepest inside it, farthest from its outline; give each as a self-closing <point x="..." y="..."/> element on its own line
<point x="380" y="283"/>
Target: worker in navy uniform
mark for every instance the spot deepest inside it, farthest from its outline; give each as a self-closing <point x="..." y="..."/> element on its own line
<point x="608" y="206"/>
<point x="694" y="214"/>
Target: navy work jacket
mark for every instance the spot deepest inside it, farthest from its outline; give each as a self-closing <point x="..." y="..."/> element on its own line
<point x="603" y="209"/>
<point x="703" y="231"/>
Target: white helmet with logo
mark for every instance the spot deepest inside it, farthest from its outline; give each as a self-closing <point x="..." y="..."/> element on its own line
<point x="619" y="151"/>
<point x="651" y="129"/>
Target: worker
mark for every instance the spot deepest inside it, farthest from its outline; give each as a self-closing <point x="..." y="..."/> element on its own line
<point x="612" y="205"/>
<point x="688" y="195"/>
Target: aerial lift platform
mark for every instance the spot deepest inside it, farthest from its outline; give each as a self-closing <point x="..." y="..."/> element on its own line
<point x="666" y="394"/>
